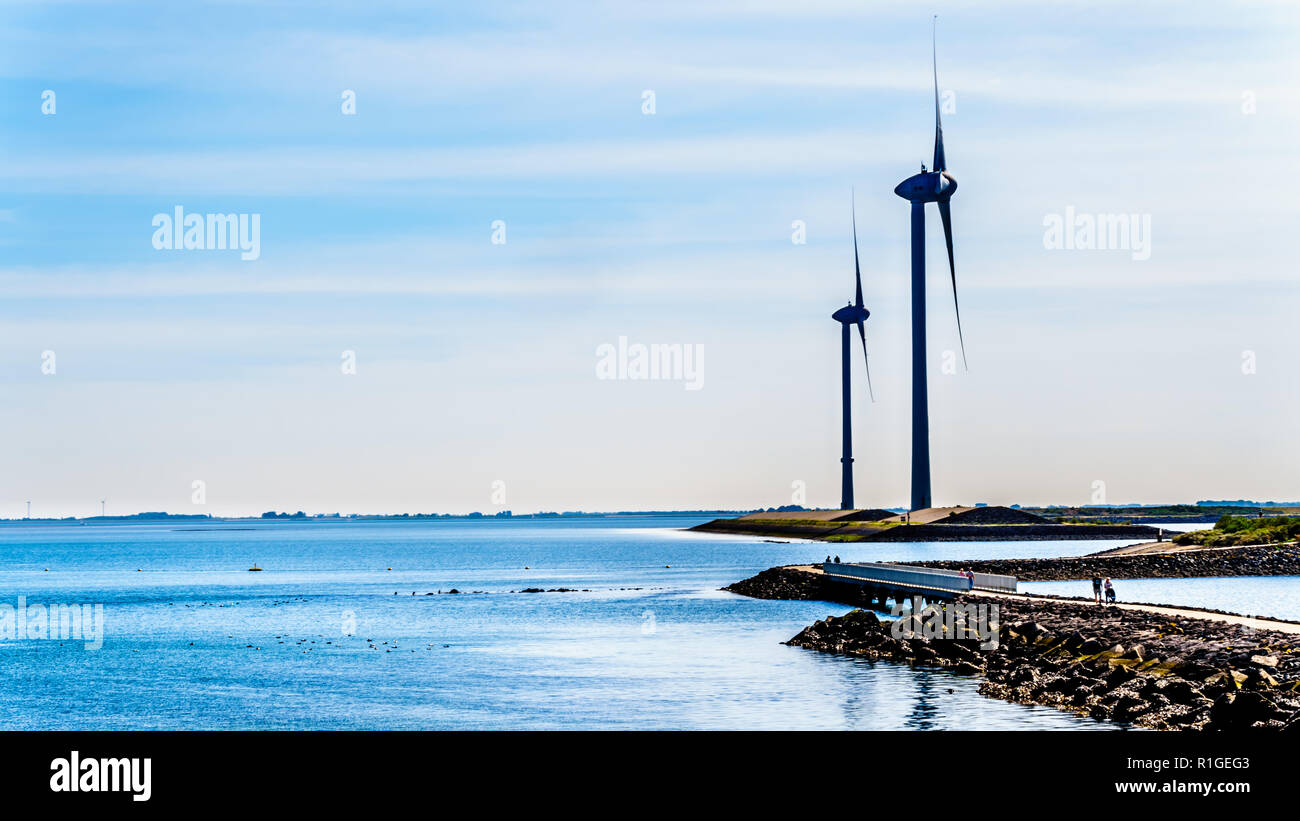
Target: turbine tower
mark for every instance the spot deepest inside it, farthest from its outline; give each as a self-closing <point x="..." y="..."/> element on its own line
<point x="936" y="186"/>
<point x="852" y="314"/>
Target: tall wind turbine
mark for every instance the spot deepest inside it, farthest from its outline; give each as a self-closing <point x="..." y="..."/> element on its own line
<point x="935" y="186"/>
<point x="852" y="314"/>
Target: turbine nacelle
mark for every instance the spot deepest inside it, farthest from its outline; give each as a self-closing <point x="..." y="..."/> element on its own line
<point x="928" y="186"/>
<point x="851" y="315"/>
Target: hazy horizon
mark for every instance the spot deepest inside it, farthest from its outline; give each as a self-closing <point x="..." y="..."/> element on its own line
<point x="285" y="515"/>
<point x="1165" y="370"/>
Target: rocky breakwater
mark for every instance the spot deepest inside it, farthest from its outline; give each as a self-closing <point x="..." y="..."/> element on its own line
<point x="792" y="584"/>
<point x="1132" y="667"/>
<point x="1232" y="561"/>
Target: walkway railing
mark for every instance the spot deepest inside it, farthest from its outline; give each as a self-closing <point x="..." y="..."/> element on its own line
<point x="921" y="577"/>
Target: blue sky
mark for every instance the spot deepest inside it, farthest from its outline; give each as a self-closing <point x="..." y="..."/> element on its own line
<point x="476" y="361"/>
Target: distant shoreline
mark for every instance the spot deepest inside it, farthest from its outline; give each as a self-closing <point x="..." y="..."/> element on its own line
<point x="1090" y="515"/>
<point x="183" y="518"/>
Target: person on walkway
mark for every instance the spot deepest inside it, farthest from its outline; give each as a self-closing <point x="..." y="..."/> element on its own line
<point x="1110" y="592"/>
<point x="1096" y="588"/>
<point x="837" y="559"/>
<point x="828" y="559"/>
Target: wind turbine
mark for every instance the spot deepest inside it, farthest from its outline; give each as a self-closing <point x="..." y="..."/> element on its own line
<point x="936" y="186"/>
<point x="852" y="314"/>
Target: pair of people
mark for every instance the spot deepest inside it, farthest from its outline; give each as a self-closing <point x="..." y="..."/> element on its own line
<point x="1098" y="587"/>
<point x="828" y="559"/>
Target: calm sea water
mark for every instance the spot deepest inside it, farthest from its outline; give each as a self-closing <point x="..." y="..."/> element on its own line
<point x="1275" y="596"/>
<point x="193" y="640"/>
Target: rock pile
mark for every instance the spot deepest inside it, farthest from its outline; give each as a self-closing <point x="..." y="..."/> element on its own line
<point x="1131" y="667"/>
<point x="793" y="585"/>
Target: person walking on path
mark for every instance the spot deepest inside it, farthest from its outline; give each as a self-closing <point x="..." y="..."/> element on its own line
<point x="1110" y="592"/>
<point x="1096" y="588"/>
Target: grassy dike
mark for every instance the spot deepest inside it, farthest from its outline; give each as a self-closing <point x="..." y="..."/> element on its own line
<point x="894" y="532"/>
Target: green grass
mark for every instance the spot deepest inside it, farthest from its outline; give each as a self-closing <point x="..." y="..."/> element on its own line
<point x="1235" y="531"/>
<point x="800" y="522"/>
<point x="814" y="523"/>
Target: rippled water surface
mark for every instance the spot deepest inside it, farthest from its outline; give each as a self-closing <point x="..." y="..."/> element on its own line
<point x="193" y="640"/>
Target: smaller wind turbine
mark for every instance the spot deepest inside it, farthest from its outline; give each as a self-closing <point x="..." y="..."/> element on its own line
<point x="855" y="313"/>
<point x="101" y="507"/>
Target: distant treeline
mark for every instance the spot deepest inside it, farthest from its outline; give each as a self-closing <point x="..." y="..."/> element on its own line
<point x="507" y="514"/>
<point x="131" y="517"/>
<point x="1145" y="511"/>
<point x="1247" y="503"/>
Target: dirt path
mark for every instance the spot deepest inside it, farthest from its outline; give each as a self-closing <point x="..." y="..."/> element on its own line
<point x="1191" y="613"/>
<point x="1168" y="547"/>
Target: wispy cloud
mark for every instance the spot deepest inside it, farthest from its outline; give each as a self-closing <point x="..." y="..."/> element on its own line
<point x="672" y="227"/>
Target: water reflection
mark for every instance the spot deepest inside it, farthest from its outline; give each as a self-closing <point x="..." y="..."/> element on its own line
<point x="197" y="642"/>
<point x="925" y="710"/>
<point x="883" y="695"/>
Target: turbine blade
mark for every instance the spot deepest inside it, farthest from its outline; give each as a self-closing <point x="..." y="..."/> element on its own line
<point x="940" y="162"/>
<point x="862" y="331"/>
<point x="945" y="214"/>
<point x="857" y="269"/>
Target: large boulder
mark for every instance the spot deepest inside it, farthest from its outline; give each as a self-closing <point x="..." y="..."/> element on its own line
<point x="1235" y="711"/>
<point x="861" y="619"/>
<point x="1091" y="647"/>
<point x="1177" y="690"/>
